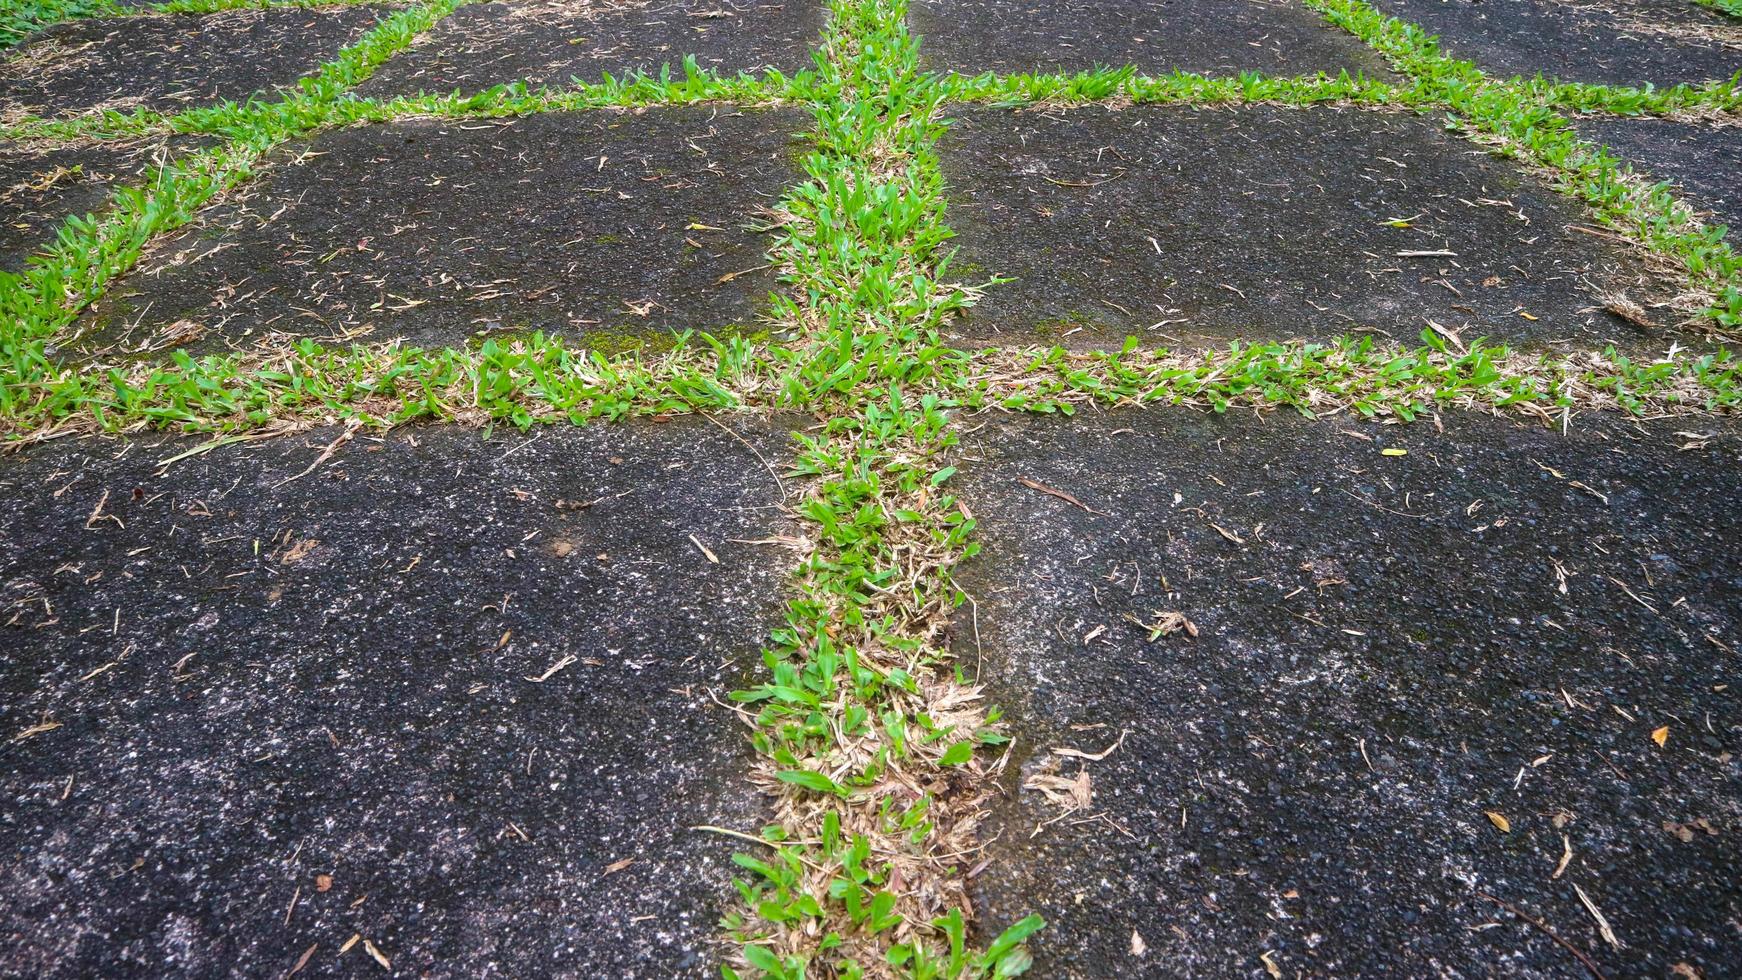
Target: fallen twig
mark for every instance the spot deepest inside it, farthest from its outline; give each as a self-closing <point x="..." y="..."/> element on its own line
<point x="1060" y="494"/>
<point x="1589" y="963"/>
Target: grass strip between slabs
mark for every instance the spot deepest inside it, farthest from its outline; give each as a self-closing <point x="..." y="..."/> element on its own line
<point x="689" y="85"/>
<point x="543" y="379"/>
<point x="875" y="746"/>
<point x="1704" y="101"/>
<point x="1125" y="85"/>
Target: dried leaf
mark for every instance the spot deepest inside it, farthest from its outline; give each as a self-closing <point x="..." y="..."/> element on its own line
<point x="302" y="960"/>
<point x="298" y="551"/>
<point x="380" y="957"/>
<point x="1660" y="736"/>
<point x="728" y="277"/>
<point x="1230" y="535"/>
<point x="709" y="555"/>
<point x="1603" y="928"/>
<point x="178" y="334"/>
<point x="1073" y="793"/>
<point x="1566" y="857"/>
<point x="47" y="726"/>
<point x="552" y="670"/>
<point x="1685" y="831"/>
<point x="1270" y="966"/>
<point x="1167" y="622"/>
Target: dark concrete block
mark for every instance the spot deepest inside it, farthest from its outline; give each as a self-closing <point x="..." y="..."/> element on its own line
<point x="291" y="712"/>
<point x="1386" y="648"/>
<point x="40" y="187"/>
<point x="1622" y="42"/>
<point x="1705" y="162"/>
<point x="552" y="42"/>
<point x="1190" y="226"/>
<point x="575" y="223"/>
<point x="1212" y="37"/>
<point x="171" y="62"/>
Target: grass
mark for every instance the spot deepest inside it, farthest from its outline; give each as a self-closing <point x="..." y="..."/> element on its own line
<point x="1359" y="377"/>
<point x="21" y="18"/>
<point x="1699" y="101"/>
<point x="1180" y="88"/>
<point x="860" y="698"/>
<point x="687" y="86"/>
<point x="542" y="379"/>
<point x="862" y="703"/>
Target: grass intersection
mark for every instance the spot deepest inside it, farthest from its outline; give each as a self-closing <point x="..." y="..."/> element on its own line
<point x="875" y="743"/>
